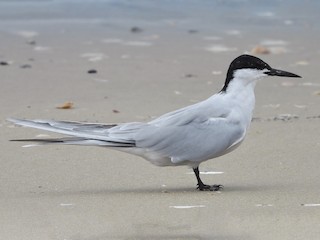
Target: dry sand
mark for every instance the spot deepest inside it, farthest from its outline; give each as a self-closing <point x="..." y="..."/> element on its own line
<point x="80" y="193"/>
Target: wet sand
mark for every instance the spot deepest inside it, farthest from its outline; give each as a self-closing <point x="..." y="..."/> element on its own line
<point x="81" y="193"/>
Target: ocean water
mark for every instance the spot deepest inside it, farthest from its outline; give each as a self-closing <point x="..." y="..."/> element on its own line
<point x="203" y="14"/>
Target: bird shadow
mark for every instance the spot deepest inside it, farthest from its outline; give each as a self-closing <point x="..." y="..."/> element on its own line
<point x="114" y="191"/>
<point x="162" y="191"/>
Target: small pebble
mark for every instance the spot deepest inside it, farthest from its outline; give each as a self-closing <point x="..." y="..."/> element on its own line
<point x="190" y="75"/>
<point x="115" y="111"/>
<point x="4" y="63"/>
<point x="136" y="30"/>
<point x="32" y="42"/>
<point x="92" y="71"/>
<point x="193" y="31"/>
<point x="26" y="66"/>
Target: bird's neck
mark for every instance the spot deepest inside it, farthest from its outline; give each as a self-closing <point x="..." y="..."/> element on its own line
<point x="240" y="87"/>
<point x="241" y="95"/>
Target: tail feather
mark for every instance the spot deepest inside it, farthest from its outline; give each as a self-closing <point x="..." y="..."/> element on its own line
<point x="82" y="133"/>
<point x="72" y="141"/>
<point x="97" y="131"/>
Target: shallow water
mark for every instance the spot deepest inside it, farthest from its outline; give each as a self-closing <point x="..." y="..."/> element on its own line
<point x="204" y="14"/>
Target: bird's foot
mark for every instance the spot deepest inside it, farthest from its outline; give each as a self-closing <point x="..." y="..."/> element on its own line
<point x="204" y="187"/>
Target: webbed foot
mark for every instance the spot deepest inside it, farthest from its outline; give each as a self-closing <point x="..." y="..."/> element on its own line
<point x="204" y="187"/>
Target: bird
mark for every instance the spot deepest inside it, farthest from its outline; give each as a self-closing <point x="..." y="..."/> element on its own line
<point x="187" y="136"/>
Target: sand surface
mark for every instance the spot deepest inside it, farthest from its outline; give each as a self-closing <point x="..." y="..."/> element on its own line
<point x="175" y="55"/>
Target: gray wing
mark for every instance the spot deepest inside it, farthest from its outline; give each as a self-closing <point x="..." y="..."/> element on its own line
<point x="200" y="112"/>
<point x="195" y="141"/>
<point x="195" y="133"/>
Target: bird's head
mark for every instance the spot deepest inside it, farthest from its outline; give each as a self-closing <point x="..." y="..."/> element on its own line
<point x="250" y="68"/>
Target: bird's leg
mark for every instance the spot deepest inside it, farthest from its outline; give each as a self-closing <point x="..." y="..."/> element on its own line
<point x="204" y="187"/>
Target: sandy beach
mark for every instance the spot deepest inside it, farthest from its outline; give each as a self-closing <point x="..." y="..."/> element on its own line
<point x="121" y="61"/>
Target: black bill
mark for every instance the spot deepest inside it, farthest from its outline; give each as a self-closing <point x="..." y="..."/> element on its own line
<point x="280" y="73"/>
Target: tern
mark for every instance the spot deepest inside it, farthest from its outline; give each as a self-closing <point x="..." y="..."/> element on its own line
<point x="187" y="136"/>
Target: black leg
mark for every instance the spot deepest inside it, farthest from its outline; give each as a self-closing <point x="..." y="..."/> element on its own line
<point x="204" y="187"/>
